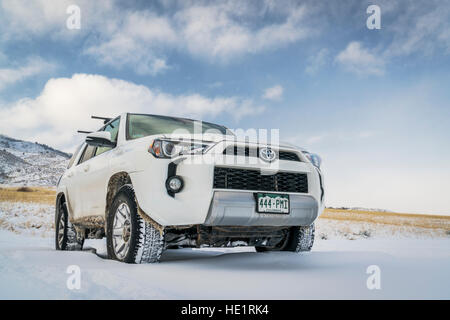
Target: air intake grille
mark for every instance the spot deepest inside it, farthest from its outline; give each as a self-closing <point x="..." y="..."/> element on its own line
<point x="241" y="179"/>
<point x="254" y="152"/>
<point x="289" y="156"/>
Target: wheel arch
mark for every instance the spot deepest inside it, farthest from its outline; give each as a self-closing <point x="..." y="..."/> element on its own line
<point x="60" y="197"/>
<point x="116" y="181"/>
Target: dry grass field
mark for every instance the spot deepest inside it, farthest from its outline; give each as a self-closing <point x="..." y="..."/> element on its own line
<point x="39" y="195"/>
<point x="395" y="219"/>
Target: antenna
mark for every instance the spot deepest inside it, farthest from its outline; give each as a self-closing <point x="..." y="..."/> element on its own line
<point x="86" y="132"/>
<point x="105" y="120"/>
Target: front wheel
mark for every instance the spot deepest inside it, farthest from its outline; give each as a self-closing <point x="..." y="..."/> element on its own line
<point x="129" y="237"/>
<point x="65" y="233"/>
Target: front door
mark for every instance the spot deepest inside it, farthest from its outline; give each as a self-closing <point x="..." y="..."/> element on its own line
<point x="94" y="175"/>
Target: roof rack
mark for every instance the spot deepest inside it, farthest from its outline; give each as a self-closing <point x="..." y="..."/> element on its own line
<point x="105" y="120"/>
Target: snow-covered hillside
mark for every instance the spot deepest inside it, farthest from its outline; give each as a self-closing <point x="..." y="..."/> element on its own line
<point x="28" y="163"/>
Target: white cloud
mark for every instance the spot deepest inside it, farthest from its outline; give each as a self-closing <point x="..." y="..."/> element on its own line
<point x="223" y="31"/>
<point x="135" y="40"/>
<point x="317" y="61"/>
<point x="354" y="58"/>
<point x="66" y="104"/>
<point x="22" y="19"/>
<point x="141" y="40"/>
<point x="420" y="28"/>
<point x="30" y="68"/>
<point x="273" y="93"/>
<point x="34" y="17"/>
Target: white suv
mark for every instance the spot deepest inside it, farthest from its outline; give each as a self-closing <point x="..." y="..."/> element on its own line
<point x="150" y="183"/>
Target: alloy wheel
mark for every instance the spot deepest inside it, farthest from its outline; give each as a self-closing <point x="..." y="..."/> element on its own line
<point x="122" y="231"/>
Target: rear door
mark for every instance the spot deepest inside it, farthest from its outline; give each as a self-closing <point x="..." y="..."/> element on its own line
<point x="76" y="191"/>
<point x="68" y="180"/>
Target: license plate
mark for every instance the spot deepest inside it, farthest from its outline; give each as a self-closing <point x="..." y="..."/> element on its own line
<point x="272" y="203"/>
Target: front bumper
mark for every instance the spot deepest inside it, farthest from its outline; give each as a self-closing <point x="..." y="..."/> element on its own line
<point x="200" y="204"/>
<point x="230" y="208"/>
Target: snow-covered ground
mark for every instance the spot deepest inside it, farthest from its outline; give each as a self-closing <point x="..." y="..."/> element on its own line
<point x="27" y="218"/>
<point x="414" y="263"/>
<point x="410" y="269"/>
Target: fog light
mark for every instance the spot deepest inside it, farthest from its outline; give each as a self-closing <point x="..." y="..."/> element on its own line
<point x="174" y="184"/>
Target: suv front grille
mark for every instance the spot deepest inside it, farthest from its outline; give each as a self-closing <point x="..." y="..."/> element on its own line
<point x="254" y="152"/>
<point x="289" y="156"/>
<point x="243" y="179"/>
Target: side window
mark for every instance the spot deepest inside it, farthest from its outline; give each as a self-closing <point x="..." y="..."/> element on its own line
<point x="112" y="127"/>
<point x="88" y="153"/>
<point x="75" y="155"/>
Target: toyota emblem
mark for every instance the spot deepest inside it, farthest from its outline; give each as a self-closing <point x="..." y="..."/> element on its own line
<point x="267" y="154"/>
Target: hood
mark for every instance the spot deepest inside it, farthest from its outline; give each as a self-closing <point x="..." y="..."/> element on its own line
<point x="216" y="138"/>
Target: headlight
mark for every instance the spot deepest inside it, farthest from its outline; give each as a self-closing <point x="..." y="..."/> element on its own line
<point x="314" y="158"/>
<point x="170" y="148"/>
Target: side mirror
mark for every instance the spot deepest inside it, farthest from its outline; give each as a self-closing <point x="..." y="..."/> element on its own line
<point x="100" y="139"/>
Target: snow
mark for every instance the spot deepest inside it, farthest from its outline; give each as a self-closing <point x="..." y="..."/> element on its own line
<point x="27" y="218"/>
<point x="414" y="264"/>
<point x="335" y="269"/>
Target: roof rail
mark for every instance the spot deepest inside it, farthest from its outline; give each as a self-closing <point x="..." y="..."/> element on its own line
<point x="105" y="120"/>
<point x="86" y="132"/>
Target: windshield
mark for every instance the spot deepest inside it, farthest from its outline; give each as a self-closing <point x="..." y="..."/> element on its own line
<point x="142" y="125"/>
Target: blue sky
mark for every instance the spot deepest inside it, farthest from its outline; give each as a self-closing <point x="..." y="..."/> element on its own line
<point x="373" y="103"/>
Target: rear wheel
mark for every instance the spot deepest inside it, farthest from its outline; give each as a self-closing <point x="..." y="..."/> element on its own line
<point x="129" y="237"/>
<point x="299" y="239"/>
<point x="65" y="233"/>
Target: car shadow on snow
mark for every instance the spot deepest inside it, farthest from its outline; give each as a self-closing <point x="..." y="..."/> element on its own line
<point x="98" y="252"/>
<point x="250" y="260"/>
<point x="247" y="259"/>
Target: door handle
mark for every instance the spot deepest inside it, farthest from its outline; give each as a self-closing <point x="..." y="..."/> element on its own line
<point x="86" y="168"/>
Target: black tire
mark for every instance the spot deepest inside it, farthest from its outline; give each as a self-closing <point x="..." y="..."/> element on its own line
<point x="145" y="243"/>
<point x="299" y="239"/>
<point x="65" y="233"/>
